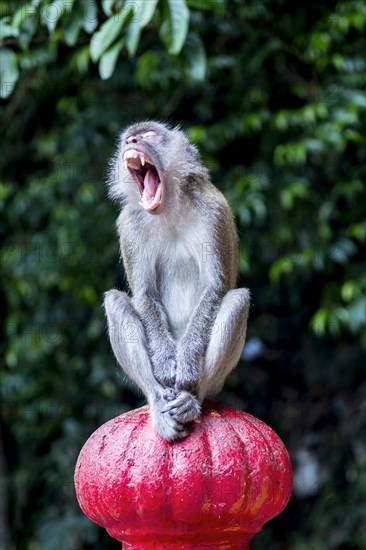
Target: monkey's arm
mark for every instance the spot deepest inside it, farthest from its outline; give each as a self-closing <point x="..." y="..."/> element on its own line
<point x="218" y="268"/>
<point x="161" y="344"/>
<point x="193" y="344"/>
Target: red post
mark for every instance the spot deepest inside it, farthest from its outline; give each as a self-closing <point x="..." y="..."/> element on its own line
<point x="212" y="490"/>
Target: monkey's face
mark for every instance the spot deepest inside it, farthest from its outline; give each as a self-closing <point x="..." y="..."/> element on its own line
<point x="153" y="155"/>
<point x="140" y="157"/>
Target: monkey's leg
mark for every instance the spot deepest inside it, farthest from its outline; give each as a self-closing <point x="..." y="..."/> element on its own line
<point x="226" y="343"/>
<point x="128" y="341"/>
<point x="222" y="354"/>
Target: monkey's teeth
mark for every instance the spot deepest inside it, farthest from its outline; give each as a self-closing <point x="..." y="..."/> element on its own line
<point x="131" y="153"/>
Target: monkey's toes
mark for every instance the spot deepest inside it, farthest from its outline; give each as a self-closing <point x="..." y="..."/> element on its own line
<point x="169" y="428"/>
<point x="185" y="408"/>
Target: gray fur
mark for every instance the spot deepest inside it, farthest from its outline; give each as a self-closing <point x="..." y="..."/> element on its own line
<point x="185" y="324"/>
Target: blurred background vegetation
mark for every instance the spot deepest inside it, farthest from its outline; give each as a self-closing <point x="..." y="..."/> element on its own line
<point x="273" y="93"/>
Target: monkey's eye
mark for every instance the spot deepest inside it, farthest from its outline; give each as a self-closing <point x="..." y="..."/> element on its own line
<point x="151" y="133"/>
<point x="130" y="138"/>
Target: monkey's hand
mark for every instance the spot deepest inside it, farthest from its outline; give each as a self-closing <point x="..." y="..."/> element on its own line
<point x="182" y="406"/>
<point x="189" y="367"/>
<point x="164" y="364"/>
<point x="169" y="426"/>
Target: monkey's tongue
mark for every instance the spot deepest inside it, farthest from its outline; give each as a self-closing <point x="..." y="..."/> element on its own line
<point x="152" y="191"/>
<point x="151" y="182"/>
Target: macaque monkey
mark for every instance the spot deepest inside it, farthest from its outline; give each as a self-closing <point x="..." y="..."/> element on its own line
<point x="183" y="329"/>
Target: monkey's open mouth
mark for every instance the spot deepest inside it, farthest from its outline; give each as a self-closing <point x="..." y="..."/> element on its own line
<point x="146" y="176"/>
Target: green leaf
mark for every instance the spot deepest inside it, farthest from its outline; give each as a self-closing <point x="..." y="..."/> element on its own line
<point x="132" y="37"/>
<point x="357" y="314"/>
<point x="107" y="7"/>
<point x="174" y="29"/>
<point x="319" y="322"/>
<point x="358" y="231"/>
<point x="295" y="190"/>
<point x="196" y="56"/>
<point x="108" y="60"/>
<point x="282" y="266"/>
<point x="348" y="290"/>
<point x="9" y="72"/>
<point x="340" y="251"/>
<point x="18" y="17"/>
<point x="143" y="11"/>
<point x="81" y="59"/>
<point x="24" y="20"/>
<point x="6" y="30"/>
<point x="52" y="13"/>
<point x="142" y="14"/>
<point x="217" y="6"/>
<point x="73" y="29"/>
<point x="108" y="32"/>
<point x="281" y="119"/>
<point x="90" y="19"/>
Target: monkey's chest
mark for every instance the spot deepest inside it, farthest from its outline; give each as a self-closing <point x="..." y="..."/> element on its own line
<point x="179" y="287"/>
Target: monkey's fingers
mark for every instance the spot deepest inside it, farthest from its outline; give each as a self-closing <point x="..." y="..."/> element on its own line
<point x="170" y="394"/>
<point x="177" y="411"/>
<point x="174" y="397"/>
<point x="182" y="397"/>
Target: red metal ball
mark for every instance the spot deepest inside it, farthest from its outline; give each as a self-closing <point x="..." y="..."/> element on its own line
<point x="212" y="490"/>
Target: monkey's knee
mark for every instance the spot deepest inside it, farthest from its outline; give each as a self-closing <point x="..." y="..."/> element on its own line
<point x="233" y="315"/>
<point x="125" y="332"/>
<point x="231" y="321"/>
<point x="116" y="301"/>
<point x="236" y="302"/>
<point x="227" y="341"/>
<point x="119" y="310"/>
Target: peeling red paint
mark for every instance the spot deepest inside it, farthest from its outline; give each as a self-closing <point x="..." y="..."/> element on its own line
<point x="212" y="490"/>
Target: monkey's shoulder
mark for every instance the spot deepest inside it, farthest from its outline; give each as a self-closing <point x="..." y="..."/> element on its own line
<point x="216" y="206"/>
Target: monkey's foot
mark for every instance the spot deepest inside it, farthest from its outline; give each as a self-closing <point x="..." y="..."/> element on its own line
<point x="181" y="405"/>
<point x="168" y="427"/>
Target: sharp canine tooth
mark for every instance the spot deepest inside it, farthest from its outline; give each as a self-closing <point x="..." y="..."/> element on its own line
<point x="133" y="154"/>
<point x="128" y="154"/>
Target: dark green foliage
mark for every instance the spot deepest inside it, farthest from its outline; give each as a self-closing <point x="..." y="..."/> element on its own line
<point x="273" y="93"/>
